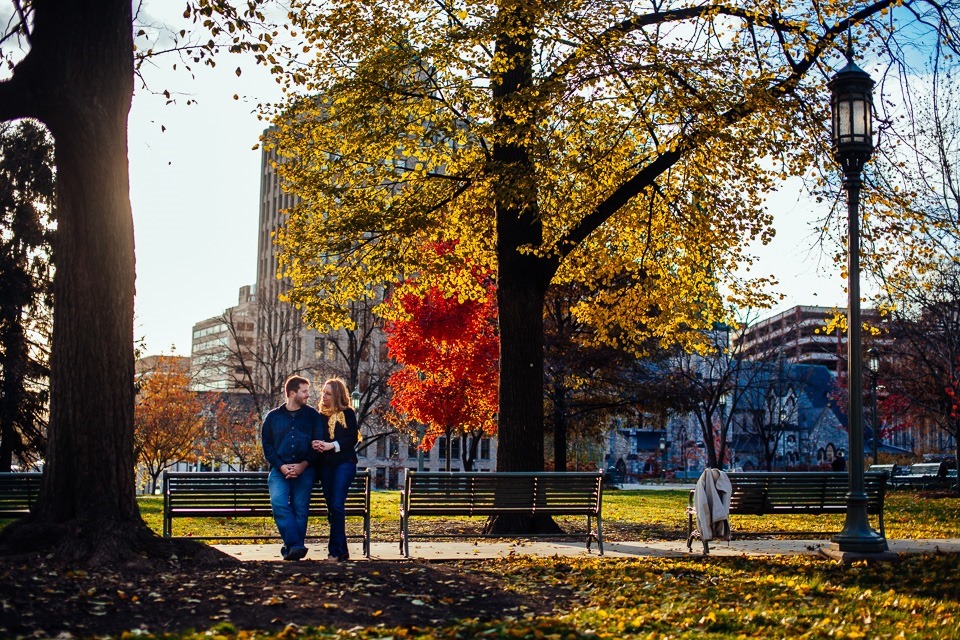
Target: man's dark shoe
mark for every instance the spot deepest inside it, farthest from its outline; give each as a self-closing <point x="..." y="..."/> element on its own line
<point x="344" y="558"/>
<point x="283" y="552"/>
<point x="297" y="553"/>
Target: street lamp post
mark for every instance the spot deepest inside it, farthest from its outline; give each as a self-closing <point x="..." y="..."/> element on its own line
<point x="873" y="364"/>
<point x="683" y="450"/>
<point x="421" y="428"/>
<point x="664" y="445"/>
<point x="852" y="135"/>
<point x="421" y="434"/>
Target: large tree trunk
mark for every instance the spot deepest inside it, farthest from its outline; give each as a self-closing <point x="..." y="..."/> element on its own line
<point x="560" y="424"/>
<point x="522" y="278"/>
<point x="13" y="365"/>
<point x="78" y="79"/>
<point x="520" y="419"/>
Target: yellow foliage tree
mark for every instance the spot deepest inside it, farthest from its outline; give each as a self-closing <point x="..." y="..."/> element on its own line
<point x="168" y="420"/>
<point x="625" y="147"/>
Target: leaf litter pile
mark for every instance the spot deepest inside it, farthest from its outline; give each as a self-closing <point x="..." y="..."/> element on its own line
<point x="42" y="601"/>
<point x="517" y="597"/>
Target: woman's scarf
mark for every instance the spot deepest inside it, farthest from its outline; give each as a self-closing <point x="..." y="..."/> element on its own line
<point x="333" y="419"/>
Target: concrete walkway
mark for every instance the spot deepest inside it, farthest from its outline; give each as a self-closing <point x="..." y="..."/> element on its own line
<point x="443" y="550"/>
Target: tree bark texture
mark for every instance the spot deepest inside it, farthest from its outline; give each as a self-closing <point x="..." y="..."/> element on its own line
<point x="520" y="422"/>
<point x="559" y="424"/>
<point x="522" y="277"/>
<point x="78" y="79"/>
<point x="14" y="372"/>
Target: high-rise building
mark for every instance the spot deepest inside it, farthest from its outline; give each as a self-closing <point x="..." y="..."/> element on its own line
<point x="358" y="355"/>
<point x="798" y="335"/>
<point x="221" y="345"/>
<point x="279" y="326"/>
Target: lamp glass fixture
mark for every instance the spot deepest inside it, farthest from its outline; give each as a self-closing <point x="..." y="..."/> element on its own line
<point x="355" y="399"/>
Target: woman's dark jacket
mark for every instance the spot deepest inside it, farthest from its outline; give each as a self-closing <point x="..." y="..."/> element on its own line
<point x="346" y="436"/>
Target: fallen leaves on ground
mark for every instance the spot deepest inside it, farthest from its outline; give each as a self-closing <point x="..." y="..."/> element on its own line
<point x="517" y="597"/>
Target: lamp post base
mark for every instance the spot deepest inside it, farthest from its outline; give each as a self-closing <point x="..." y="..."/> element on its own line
<point x="857" y="535"/>
<point x="846" y="557"/>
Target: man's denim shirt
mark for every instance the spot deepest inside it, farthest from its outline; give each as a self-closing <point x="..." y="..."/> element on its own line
<point x="286" y="436"/>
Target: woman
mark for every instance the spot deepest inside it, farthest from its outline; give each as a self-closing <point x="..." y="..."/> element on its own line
<point x="338" y="460"/>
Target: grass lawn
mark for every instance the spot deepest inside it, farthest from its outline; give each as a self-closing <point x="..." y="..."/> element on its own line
<point x="627" y="515"/>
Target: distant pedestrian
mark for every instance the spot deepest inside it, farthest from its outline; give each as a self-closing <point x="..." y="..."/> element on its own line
<point x="839" y="463"/>
<point x="337" y="444"/>
<point x="286" y="436"/>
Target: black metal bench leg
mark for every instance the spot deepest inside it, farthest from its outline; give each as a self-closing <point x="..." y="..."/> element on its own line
<point x="600" y="534"/>
<point x="366" y="536"/>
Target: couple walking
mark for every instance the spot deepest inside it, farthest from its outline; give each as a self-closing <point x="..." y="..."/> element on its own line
<point x="304" y="446"/>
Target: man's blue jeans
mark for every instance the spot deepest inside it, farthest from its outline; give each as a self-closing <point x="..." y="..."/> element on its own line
<point x="336" y="482"/>
<point x="290" y="501"/>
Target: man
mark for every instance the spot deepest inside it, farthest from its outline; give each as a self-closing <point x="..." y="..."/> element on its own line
<point x="286" y="435"/>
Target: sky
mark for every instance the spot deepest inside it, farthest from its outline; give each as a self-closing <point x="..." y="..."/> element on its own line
<point x="194" y="189"/>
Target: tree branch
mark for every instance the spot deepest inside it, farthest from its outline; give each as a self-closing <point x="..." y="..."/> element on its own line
<point x="23" y="20"/>
<point x="686" y="143"/>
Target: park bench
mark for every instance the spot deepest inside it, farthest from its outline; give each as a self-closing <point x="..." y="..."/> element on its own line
<point x="798" y="492"/>
<point x="468" y="493"/>
<point x="922" y="475"/>
<point x="18" y="492"/>
<point x="890" y="469"/>
<point x="244" y="494"/>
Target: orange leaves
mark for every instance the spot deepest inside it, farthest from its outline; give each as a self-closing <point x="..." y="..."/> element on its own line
<point x="167" y="420"/>
<point x="449" y="349"/>
<point x="232" y="434"/>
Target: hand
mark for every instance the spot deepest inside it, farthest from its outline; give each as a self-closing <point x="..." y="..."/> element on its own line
<point x="317" y="445"/>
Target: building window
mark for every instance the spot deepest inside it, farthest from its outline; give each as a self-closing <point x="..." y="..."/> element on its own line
<point x="442" y="447"/>
<point x="411" y="449"/>
<point x="394" y="446"/>
<point x="454" y="448"/>
<point x="381" y="448"/>
<point x="484" y="448"/>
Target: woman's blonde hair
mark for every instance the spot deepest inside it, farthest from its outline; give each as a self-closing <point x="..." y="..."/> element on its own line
<point x="341" y="397"/>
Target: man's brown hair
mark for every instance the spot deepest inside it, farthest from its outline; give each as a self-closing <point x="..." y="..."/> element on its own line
<point x="293" y="384"/>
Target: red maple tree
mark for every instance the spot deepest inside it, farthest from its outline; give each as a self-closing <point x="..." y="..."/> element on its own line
<point x="449" y="353"/>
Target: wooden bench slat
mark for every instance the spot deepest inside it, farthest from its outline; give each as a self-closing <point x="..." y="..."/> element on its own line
<point x="18" y="492"/>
